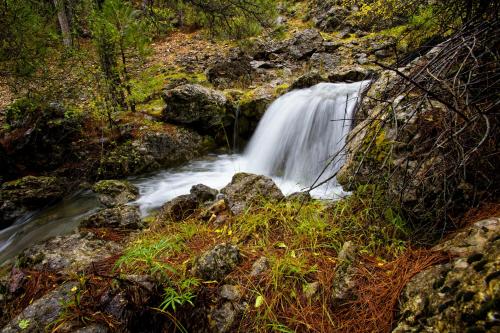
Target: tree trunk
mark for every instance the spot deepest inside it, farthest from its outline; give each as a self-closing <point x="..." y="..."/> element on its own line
<point x="63" y="22"/>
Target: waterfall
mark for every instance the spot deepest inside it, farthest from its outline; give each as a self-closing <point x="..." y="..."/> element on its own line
<point x="304" y="131"/>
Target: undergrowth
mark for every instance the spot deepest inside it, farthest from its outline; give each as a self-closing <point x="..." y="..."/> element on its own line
<point x="301" y="242"/>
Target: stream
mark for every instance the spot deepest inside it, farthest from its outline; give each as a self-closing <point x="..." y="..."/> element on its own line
<point x="298" y="143"/>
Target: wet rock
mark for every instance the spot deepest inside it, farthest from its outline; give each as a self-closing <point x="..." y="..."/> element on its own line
<point x="21" y="196"/>
<point x="122" y="217"/>
<point x="259" y="266"/>
<point x="343" y="281"/>
<point x="231" y="292"/>
<point x="246" y="189"/>
<point x="302" y="197"/>
<point x="67" y="254"/>
<point x="43" y="136"/>
<point x="457" y="296"/>
<point x="351" y="74"/>
<point x="203" y="193"/>
<point x="113" y="193"/>
<point x="307" y="80"/>
<point x="305" y="43"/>
<point x="180" y="207"/>
<point x="153" y="151"/>
<point x="42" y="312"/>
<point x="194" y="105"/>
<point x="216" y="263"/>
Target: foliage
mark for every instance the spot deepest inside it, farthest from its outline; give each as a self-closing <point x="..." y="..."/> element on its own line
<point x="182" y="294"/>
<point x="119" y="33"/>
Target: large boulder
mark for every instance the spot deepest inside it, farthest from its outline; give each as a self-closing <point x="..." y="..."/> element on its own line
<point x="113" y="193"/>
<point x="42" y="136"/>
<point x="462" y="295"/>
<point x="121" y="217"/>
<point x="195" y="106"/>
<point x="216" y="263"/>
<point x="27" y="194"/>
<point x="246" y="189"/>
<point x="152" y="151"/>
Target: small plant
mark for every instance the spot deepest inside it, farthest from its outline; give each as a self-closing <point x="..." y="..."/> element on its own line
<point x="24" y="324"/>
<point x="183" y="294"/>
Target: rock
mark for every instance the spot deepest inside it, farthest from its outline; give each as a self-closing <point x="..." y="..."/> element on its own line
<point x="231" y="293"/>
<point x="203" y="193"/>
<point x="343" y="281"/>
<point x="329" y="17"/>
<point x="227" y="71"/>
<point x="352" y="74"/>
<point x="305" y="43"/>
<point x="259" y="266"/>
<point x="180" y="207"/>
<point x="256" y="64"/>
<point x="459" y="296"/>
<point x="302" y="197"/>
<point x="113" y="193"/>
<point x="27" y="194"/>
<point x="194" y="105"/>
<point x="67" y="254"/>
<point x="307" y="80"/>
<point x="311" y="290"/>
<point x="223" y="319"/>
<point x="43" y="136"/>
<point x="152" y="151"/>
<point x="324" y="61"/>
<point x="42" y="312"/>
<point x="216" y="263"/>
<point x="121" y="217"/>
<point x="331" y="46"/>
<point x="246" y="189"/>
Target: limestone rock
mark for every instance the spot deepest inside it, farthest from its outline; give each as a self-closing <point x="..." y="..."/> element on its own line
<point x="462" y="295"/>
<point x="305" y="43"/>
<point x="231" y="292"/>
<point x="195" y="106"/>
<point x="302" y="197"/>
<point x="259" y="266"/>
<point x="20" y="196"/>
<point x="180" y="207"/>
<point x="216" y="263"/>
<point x="113" y="193"/>
<point x="42" y="312"/>
<point x="307" y="80"/>
<point x="121" y="217"/>
<point x="67" y="254"/>
<point x="343" y="281"/>
<point x="203" y="193"/>
<point x="246" y="189"/>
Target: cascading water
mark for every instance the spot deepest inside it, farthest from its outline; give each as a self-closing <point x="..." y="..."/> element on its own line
<point x="301" y="133"/>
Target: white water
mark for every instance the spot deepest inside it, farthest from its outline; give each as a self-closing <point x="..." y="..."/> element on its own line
<point x="300" y="134"/>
